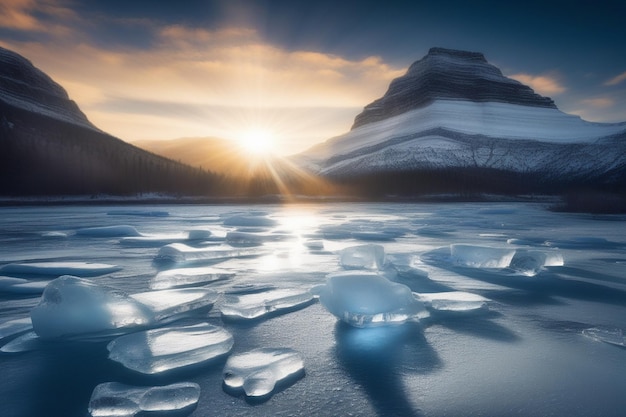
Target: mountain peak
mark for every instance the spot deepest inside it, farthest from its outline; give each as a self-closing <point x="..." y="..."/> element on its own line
<point x="449" y="74"/>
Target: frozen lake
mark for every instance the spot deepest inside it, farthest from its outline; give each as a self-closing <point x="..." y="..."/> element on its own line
<point x="548" y="277"/>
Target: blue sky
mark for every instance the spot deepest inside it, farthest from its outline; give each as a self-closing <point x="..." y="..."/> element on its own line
<point x="301" y="71"/>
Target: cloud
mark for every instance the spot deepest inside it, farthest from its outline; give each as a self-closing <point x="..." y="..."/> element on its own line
<point x="599" y="102"/>
<point x="616" y="80"/>
<point x="542" y="84"/>
<point x="187" y="75"/>
<point x="39" y="16"/>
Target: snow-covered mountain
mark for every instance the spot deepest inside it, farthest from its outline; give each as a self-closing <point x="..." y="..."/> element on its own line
<point x="452" y="109"/>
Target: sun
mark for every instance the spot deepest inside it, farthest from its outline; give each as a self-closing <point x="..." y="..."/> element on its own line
<point x="257" y="141"/>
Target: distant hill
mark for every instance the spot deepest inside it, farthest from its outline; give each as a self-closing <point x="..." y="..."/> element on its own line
<point x="49" y="147"/>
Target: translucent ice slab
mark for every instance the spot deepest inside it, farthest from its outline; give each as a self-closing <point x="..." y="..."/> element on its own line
<point x="160" y="350"/>
<point x="108" y="231"/>
<point x="366" y="299"/>
<point x="258" y="371"/>
<point x="115" y="399"/>
<point x="362" y="257"/>
<point x="453" y="301"/>
<point x="81" y="269"/>
<point x="254" y="306"/>
<point x="78" y="308"/>
<point x="179" y="252"/>
<point x="474" y="256"/>
<point x="531" y="262"/>
<point x="182" y="277"/>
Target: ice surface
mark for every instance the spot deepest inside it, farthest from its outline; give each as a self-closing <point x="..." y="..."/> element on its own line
<point x="314" y="244"/>
<point x="254" y="306"/>
<point x="72" y="306"/>
<point x="182" y="277"/>
<point x="258" y="371"/>
<point x="54" y="235"/>
<point x="453" y="301"/>
<point x="152" y="240"/>
<point x="28" y="287"/>
<point x="81" y="269"/>
<point x="113" y="399"/>
<point x="160" y="350"/>
<point x="475" y="256"/>
<point x="180" y="253"/>
<point x="362" y="257"/>
<point x="82" y="309"/>
<point x="142" y="213"/>
<point x="252" y="221"/>
<point x="246" y="238"/>
<point x="108" y="231"/>
<point x="24" y="343"/>
<point x="611" y="336"/>
<point x="366" y="299"/>
<point x="531" y="262"/>
<point x="14" y="327"/>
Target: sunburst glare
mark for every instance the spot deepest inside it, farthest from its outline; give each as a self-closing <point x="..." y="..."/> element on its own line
<point x="257" y="141"/>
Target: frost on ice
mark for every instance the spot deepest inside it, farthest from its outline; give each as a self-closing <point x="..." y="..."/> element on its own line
<point x="160" y="350"/>
<point x="181" y="277"/>
<point x="613" y="336"/>
<point x="115" y="399"/>
<point x="79" y="308"/>
<point x="362" y="257"/>
<point x="453" y="301"/>
<point x="366" y="299"/>
<point x="258" y="371"/>
<point x="257" y="305"/>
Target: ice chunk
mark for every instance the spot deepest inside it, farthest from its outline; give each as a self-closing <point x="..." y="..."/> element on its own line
<point x="199" y="234"/>
<point x="168" y="305"/>
<point x="115" y="399"/>
<point x="14" y="327"/>
<point x="108" y="231"/>
<point x="81" y="269"/>
<point x="362" y="257"/>
<point x="54" y="235"/>
<point x="258" y="371"/>
<point x="252" y="221"/>
<point x="153" y="240"/>
<point x="81" y="309"/>
<point x="254" y="306"/>
<point x="613" y="336"/>
<point x="531" y="262"/>
<point x="73" y="306"/>
<point x="182" y="277"/>
<point x="474" y="256"/>
<point x="453" y="301"/>
<point x="366" y="299"/>
<point x="160" y="350"/>
<point x="179" y="252"/>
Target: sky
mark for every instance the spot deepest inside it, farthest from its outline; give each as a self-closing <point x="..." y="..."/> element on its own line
<point x="297" y="71"/>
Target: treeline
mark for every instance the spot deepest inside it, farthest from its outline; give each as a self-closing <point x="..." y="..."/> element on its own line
<point x="470" y="181"/>
<point x="44" y="156"/>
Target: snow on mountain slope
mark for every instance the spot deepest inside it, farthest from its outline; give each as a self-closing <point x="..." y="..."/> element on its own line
<point x="453" y="109"/>
<point x="24" y="86"/>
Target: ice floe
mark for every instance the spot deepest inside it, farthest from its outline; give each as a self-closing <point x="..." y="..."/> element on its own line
<point x="453" y="301"/>
<point x="474" y="256"/>
<point x="79" y="308"/>
<point x="362" y="257"/>
<point x="165" y="349"/>
<point x="366" y="299"/>
<point x="183" y="277"/>
<point x="249" y="220"/>
<point x="181" y="253"/>
<point x="260" y="304"/>
<point x="81" y="269"/>
<point x="113" y="399"/>
<point x="613" y="336"/>
<point x="258" y="371"/>
<point x="108" y="231"/>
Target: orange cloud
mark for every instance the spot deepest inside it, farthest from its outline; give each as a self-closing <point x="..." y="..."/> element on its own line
<point x="542" y="84"/>
<point x="600" y="102"/>
<point x="616" y="80"/>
